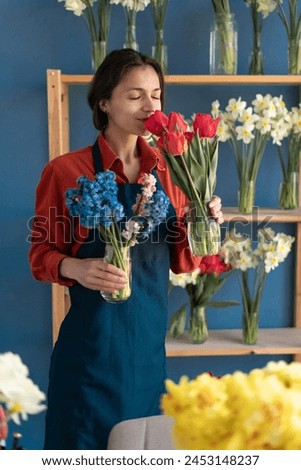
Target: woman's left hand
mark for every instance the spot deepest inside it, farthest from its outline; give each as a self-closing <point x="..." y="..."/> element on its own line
<point x="215" y="207"/>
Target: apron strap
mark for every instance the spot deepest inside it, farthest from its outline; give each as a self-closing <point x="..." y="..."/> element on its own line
<point x="97" y="160"/>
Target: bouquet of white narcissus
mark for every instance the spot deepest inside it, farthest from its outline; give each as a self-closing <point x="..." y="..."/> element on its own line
<point x="237" y="250"/>
<point x="291" y="20"/>
<point x="97" y="15"/>
<point x="288" y="146"/>
<point x="248" y="129"/>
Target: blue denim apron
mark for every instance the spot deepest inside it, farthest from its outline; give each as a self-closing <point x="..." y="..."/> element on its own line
<point x="108" y="363"/>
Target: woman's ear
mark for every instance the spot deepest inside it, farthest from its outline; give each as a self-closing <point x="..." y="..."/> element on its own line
<point x="103" y="105"/>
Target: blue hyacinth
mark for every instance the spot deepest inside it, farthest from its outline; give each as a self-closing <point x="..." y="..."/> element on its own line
<point x="96" y="204"/>
<point x="95" y="201"/>
<point x="156" y="210"/>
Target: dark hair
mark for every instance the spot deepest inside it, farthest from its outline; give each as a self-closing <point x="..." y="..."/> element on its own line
<point x="109" y="74"/>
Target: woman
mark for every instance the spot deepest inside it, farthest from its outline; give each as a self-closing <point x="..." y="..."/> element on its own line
<point x="108" y="363"/>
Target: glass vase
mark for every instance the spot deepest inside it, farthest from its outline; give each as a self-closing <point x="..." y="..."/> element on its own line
<point x="256" y="57"/>
<point x="289" y="192"/>
<point x="119" y="256"/>
<point x="198" y="329"/>
<point x="203" y="232"/>
<point x="130" y="38"/>
<point x="223" y="45"/>
<point x="98" y="53"/>
<point x="246" y="197"/>
<point x="159" y="50"/>
<point x="250" y="321"/>
<point x="294" y="57"/>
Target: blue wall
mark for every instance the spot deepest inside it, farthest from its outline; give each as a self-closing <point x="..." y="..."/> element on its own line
<point x="37" y="35"/>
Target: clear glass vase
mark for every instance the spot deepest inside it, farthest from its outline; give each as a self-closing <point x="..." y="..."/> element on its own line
<point x="198" y="329"/>
<point x="203" y="232"/>
<point x="294" y="57"/>
<point x="130" y="38"/>
<point x="250" y="322"/>
<point x="119" y="256"/>
<point x="223" y="45"/>
<point x="256" y="56"/>
<point x="98" y="53"/>
<point x="289" y="192"/>
<point x="159" y="51"/>
<point x="246" y="197"/>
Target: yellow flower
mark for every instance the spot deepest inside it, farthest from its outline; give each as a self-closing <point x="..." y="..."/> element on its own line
<point x="258" y="410"/>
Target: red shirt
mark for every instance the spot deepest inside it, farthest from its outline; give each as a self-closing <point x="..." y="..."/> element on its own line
<point x="56" y="235"/>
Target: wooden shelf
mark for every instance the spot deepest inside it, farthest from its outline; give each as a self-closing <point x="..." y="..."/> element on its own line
<point x="229" y="343"/>
<point x="220" y="342"/>
<point x="262" y="214"/>
<point x="204" y="79"/>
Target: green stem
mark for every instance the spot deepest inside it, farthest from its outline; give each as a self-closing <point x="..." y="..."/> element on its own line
<point x="197" y="198"/>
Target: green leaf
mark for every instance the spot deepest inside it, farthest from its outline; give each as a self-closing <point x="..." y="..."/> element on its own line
<point x="178" y="321"/>
<point x="221" y="304"/>
<point x="178" y="174"/>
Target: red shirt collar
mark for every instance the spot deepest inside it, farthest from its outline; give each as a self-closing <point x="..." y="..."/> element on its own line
<point x="151" y="157"/>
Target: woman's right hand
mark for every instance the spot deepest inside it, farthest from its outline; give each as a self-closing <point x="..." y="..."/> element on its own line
<point x="94" y="273"/>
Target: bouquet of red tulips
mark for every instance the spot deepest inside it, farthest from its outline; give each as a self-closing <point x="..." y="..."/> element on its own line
<point x="192" y="156"/>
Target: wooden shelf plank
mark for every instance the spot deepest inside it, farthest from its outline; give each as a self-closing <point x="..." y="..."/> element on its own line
<point x="260" y="214"/>
<point x="229" y="342"/>
<point x="76" y="79"/>
<point x="205" y="79"/>
<point x="233" y="80"/>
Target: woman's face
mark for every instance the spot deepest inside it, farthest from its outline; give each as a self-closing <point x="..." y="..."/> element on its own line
<point x="133" y="100"/>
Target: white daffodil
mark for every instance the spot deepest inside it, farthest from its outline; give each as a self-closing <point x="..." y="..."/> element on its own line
<point x="247" y="116"/>
<point x="182" y="280"/>
<point x="215" y="105"/>
<point x="266" y="6"/>
<point x="26" y="400"/>
<point x="136" y="5"/>
<point x="223" y="131"/>
<point x="271" y="261"/>
<point x="245" y="261"/>
<point x="77" y="6"/>
<point x="244" y="133"/>
<point x="18" y="394"/>
<point x="264" y="124"/>
<point x="261" y="102"/>
<point x="235" y="107"/>
<point x="295" y="117"/>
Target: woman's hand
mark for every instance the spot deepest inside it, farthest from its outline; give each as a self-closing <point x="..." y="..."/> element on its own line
<point x="215" y="206"/>
<point x="94" y="273"/>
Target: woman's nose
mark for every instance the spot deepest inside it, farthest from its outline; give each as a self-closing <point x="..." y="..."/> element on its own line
<point x="149" y="105"/>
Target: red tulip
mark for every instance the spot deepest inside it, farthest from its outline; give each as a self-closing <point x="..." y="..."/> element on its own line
<point x="189" y="135"/>
<point x="213" y="264"/>
<point x="3" y="425"/>
<point x="157" y="123"/>
<point x="173" y="143"/>
<point x="205" y="125"/>
<point x="176" y="123"/>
